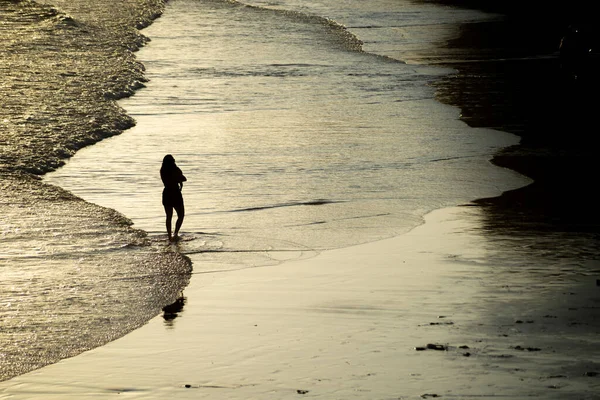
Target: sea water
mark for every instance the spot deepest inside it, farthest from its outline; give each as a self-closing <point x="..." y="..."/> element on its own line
<point x="300" y="126"/>
<point x="294" y="135"/>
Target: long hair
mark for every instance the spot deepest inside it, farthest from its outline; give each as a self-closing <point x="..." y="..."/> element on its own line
<point x="168" y="169"/>
<point x="168" y="161"/>
<point x="168" y="164"/>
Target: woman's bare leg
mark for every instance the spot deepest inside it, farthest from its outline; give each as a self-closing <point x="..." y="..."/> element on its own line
<point x="180" y="214"/>
<point x="169" y="213"/>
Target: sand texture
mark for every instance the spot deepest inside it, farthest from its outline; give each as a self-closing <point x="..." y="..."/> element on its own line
<point x="431" y="313"/>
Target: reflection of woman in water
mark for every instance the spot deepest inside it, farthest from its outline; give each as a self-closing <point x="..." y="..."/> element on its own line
<point x="173" y="179"/>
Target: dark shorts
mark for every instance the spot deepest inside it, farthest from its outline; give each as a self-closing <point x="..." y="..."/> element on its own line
<point x="172" y="198"/>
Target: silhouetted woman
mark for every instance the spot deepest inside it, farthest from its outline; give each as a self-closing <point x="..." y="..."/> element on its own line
<point x="173" y="179"/>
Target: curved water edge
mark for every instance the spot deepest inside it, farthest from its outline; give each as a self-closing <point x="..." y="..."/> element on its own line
<point x="75" y="275"/>
<point x="96" y="259"/>
<point x="211" y="243"/>
<point x="249" y="146"/>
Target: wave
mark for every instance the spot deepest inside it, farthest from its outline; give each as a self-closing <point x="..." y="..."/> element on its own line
<point x="341" y="36"/>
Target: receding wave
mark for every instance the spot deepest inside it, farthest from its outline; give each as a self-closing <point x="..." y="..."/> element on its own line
<point x="340" y="36"/>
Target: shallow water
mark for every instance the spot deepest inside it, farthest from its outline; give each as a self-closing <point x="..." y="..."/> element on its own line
<point x="291" y="139"/>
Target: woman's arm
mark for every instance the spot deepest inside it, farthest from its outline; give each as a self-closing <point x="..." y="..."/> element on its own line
<point x="182" y="179"/>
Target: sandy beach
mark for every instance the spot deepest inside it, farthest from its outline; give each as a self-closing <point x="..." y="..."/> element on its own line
<point x="357" y="323"/>
<point x="443" y="311"/>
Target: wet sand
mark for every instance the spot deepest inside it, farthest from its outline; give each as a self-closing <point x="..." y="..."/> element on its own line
<point x="433" y="313"/>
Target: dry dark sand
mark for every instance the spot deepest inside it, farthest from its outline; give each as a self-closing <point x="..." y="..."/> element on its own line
<point x="509" y="77"/>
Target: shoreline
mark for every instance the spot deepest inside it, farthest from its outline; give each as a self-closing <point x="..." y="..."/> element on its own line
<point x="356" y="330"/>
<point x="110" y="357"/>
